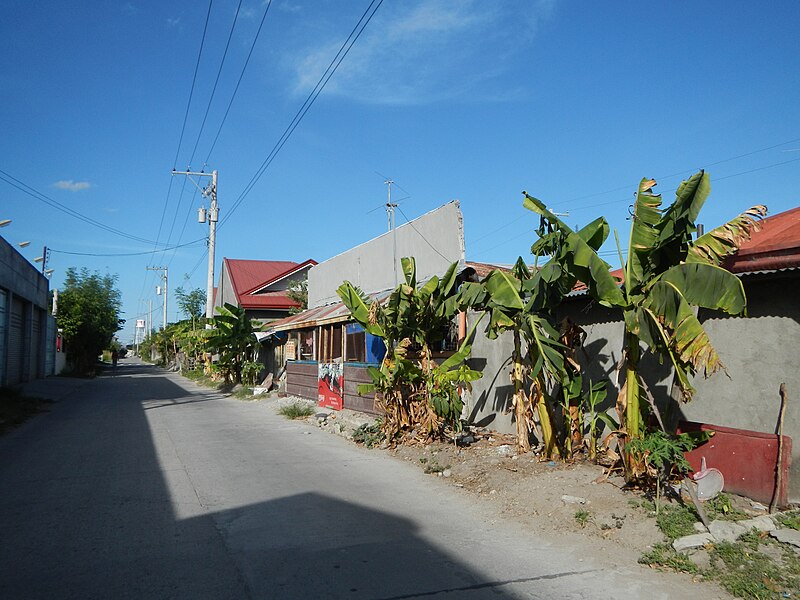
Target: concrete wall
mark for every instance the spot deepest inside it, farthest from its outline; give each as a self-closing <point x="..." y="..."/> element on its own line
<point x="225" y="291"/>
<point x="760" y="352"/>
<point x="25" y="337"/>
<point x="435" y="239"/>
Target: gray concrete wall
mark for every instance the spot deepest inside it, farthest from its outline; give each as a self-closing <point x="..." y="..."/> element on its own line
<point x="26" y="347"/>
<point x="225" y="291"/>
<point x="21" y="277"/>
<point x="435" y="239"/>
<point x="760" y="352"/>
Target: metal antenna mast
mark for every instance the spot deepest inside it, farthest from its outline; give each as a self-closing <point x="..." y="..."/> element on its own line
<point x="390" y="216"/>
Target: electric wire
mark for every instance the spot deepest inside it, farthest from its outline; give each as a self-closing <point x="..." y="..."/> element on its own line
<point x="125" y="253"/>
<point x="186" y="114"/>
<point x="663" y="178"/>
<point x="216" y="81"/>
<point x="34" y="193"/>
<point x="347" y="45"/>
<point x="409" y="222"/>
<point x="238" y="83"/>
<point x="621" y="200"/>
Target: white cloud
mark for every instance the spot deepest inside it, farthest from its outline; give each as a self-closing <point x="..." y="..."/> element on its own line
<point x="72" y="186"/>
<point x="173" y="22"/>
<point x="432" y="51"/>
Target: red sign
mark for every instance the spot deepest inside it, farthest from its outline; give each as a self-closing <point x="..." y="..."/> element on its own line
<point x="330" y="385"/>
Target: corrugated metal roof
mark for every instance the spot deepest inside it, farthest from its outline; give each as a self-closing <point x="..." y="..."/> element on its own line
<point x="322" y="315"/>
<point x="775" y="246"/>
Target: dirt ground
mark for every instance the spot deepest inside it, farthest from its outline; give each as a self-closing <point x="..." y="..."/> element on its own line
<point x="545" y="496"/>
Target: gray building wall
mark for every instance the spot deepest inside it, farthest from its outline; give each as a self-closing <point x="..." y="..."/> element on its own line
<point x="26" y="332"/>
<point x="225" y="291"/>
<point x="760" y="351"/>
<point x="435" y="239"/>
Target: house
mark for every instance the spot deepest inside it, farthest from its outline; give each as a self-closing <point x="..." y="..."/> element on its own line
<point x="27" y="329"/>
<point x="260" y="286"/>
<point x="325" y="353"/>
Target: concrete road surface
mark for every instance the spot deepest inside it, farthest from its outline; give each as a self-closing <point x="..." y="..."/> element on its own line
<point x="143" y="485"/>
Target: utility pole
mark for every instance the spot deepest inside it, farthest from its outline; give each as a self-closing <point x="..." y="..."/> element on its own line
<point x="390" y="216"/>
<point x="164" y="277"/>
<point x="209" y="192"/>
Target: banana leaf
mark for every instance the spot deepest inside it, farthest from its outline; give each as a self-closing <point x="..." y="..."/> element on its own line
<point x="726" y="239"/>
<point x="708" y="286"/>
<point x="643" y="238"/>
<point x="688" y="340"/>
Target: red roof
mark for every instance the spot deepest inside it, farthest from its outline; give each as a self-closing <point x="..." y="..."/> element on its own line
<point x="248" y="276"/>
<point x="776" y="245"/>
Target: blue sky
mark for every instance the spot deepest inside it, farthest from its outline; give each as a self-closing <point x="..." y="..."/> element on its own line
<point x="574" y="102"/>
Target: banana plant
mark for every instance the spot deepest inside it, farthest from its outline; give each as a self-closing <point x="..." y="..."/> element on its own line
<point x="507" y="299"/>
<point x="666" y="277"/>
<point x="232" y="337"/>
<point x="413" y="320"/>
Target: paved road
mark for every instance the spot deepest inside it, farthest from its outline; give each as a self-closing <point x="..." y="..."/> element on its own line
<point x="143" y="485"/>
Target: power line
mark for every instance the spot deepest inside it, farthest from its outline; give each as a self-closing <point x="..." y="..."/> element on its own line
<point x="358" y="29"/>
<point x="408" y="221"/>
<point x="621" y="200"/>
<point x="216" y="82"/>
<point x="34" y="193"/>
<point x="185" y="119"/>
<point x="241" y="76"/>
<point x="678" y="173"/>
<point x="194" y="80"/>
<point x="126" y="253"/>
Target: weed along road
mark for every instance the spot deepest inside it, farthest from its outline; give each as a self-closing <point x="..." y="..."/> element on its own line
<point x="143" y="485"/>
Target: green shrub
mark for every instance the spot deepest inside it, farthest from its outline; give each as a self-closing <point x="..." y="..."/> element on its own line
<point x="296" y="410"/>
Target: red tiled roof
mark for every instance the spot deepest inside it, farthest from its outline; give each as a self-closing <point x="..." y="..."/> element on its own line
<point x="776" y="245"/>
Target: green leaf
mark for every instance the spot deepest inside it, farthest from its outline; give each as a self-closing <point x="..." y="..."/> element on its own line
<point x="708" y="286"/>
<point x="504" y="290"/>
<point x="448" y="280"/>
<point x="646" y="215"/>
<point x="689" y="340"/>
<point x="409" y="270"/>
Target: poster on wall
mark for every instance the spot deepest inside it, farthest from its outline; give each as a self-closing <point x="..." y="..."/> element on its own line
<point x="330" y="386"/>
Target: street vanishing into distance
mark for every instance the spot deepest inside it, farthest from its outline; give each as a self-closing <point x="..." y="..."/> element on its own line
<point x="144" y="485"/>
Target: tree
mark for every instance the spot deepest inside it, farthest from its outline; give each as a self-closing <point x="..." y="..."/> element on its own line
<point x="232" y="337"/>
<point x="667" y="276"/>
<point x="298" y="292"/>
<point x="88" y="313"/>
<point x="417" y="393"/>
<point x="192" y="303"/>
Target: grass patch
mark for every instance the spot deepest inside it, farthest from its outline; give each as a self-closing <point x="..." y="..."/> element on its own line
<point x="664" y="556"/>
<point x="752" y="575"/>
<point x="582" y="518"/>
<point x="246" y="393"/>
<point x="432" y="466"/>
<point x="15" y="408"/>
<point x="790" y="519"/>
<point x="369" y="434"/>
<point x="296" y="410"/>
<point x="721" y="507"/>
<point x="676" y="521"/>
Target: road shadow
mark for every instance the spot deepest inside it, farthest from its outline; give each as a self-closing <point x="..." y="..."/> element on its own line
<point x="91" y="509"/>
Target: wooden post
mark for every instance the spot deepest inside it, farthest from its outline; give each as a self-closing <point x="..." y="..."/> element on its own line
<point x="779" y="467"/>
